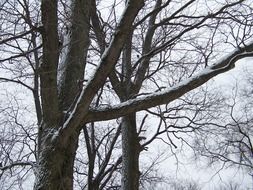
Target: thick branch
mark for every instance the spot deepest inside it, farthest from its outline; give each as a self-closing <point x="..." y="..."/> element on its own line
<point x="74" y="65"/>
<point x="144" y="65"/>
<point x="100" y="36"/>
<point x="107" y="63"/>
<point x="172" y="93"/>
<point x="48" y="73"/>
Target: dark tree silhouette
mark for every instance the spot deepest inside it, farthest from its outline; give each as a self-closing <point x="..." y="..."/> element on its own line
<point x="87" y="61"/>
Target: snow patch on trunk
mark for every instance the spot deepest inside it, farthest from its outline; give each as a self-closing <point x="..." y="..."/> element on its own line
<point x="63" y="57"/>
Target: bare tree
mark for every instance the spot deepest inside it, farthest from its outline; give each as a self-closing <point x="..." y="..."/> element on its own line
<point x="76" y="52"/>
<point x="230" y="142"/>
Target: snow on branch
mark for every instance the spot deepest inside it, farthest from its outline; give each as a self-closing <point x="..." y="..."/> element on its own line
<point x="107" y="63"/>
<point x="172" y="93"/>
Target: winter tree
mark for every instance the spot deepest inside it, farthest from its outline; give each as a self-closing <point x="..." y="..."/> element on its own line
<point x="230" y="142"/>
<point x="89" y="61"/>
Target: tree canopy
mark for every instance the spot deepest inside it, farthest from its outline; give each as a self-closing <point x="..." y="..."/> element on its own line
<point x="83" y="62"/>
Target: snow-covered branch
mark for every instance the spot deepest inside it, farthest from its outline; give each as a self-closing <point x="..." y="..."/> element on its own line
<point x="107" y="63"/>
<point x="172" y="93"/>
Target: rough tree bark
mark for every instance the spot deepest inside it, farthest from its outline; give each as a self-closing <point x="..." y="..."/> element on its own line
<point x="62" y="122"/>
<point x="131" y="147"/>
<point x="128" y="89"/>
<point x="55" y="163"/>
<point x="66" y="108"/>
<point x="56" y="157"/>
<point x="130" y="153"/>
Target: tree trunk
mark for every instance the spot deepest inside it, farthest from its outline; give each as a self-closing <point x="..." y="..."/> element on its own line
<point x="55" y="163"/>
<point x="130" y="153"/>
<point x="93" y="186"/>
